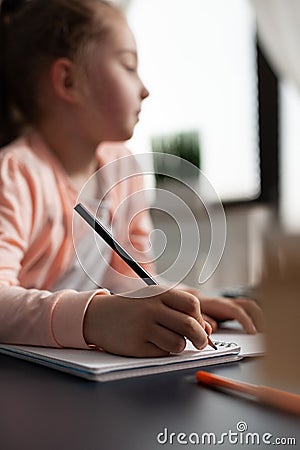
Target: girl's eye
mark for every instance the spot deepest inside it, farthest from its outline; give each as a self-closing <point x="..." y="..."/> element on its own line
<point x="130" y="68"/>
<point x="129" y="61"/>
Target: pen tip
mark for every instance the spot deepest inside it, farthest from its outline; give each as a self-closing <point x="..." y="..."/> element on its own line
<point x="211" y="344"/>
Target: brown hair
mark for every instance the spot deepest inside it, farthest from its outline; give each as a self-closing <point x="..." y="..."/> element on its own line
<point x="33" y="34"/>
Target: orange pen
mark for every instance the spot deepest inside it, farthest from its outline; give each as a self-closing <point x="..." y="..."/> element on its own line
<point x="270" y="396"/>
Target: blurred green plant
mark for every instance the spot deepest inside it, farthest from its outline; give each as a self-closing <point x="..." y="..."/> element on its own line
<point x="185" y="145"/>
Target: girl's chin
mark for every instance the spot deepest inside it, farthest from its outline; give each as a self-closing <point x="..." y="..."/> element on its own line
<point x="123" y="134"/>
<point x="120" y="137"/>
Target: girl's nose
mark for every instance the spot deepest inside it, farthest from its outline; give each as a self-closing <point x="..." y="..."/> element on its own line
<point x="145" y="93"/>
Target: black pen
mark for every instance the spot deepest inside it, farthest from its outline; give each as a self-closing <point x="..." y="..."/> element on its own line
<point x="111" y="241"/>
<point x="114" y="244"/>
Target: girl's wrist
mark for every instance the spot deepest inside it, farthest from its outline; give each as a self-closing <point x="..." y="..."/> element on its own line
<point x="92" y="319"/>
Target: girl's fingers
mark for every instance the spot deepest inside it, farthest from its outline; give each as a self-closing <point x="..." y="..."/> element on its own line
<point x="167" y="340"/>
<point x="254" y="311"/>
<point x="210" y="325"/>
<point x="183" y="302"/>
<point x="238" y="313"/>
<point x="151" y="350"/>
<point x="245" y="311"/>
<point x="184" y="325"/>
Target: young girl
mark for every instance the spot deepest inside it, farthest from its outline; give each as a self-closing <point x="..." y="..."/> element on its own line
<point x="69" y="85"/>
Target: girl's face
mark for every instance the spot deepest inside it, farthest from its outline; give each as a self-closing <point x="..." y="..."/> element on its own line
<point x="113" y="91"/>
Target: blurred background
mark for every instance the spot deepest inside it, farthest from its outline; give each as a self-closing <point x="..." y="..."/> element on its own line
<point x="222" y="71"/>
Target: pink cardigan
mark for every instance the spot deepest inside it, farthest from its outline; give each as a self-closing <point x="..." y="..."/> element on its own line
<point x="36" y="247"/>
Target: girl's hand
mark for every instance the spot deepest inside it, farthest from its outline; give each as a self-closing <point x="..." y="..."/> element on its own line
<point x="245" y="311"/>
<point x="149" y="322"/>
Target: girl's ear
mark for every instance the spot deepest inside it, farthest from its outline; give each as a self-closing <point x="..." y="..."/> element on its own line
<point x="64" y="79"/>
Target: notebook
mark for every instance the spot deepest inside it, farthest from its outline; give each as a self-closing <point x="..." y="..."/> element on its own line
<point x="101" y="366"/>
<point x="252" y="345"/>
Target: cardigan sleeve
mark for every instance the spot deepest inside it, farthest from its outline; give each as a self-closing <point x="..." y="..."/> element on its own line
<point x="39" y="317"/>
<point x="31" y="316"/>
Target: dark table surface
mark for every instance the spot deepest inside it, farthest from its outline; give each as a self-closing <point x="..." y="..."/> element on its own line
<point x="44" y="409"/>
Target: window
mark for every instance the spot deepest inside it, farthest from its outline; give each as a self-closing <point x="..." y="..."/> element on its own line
<point x="289" y="155"/>
<point x="198" y="59"/>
